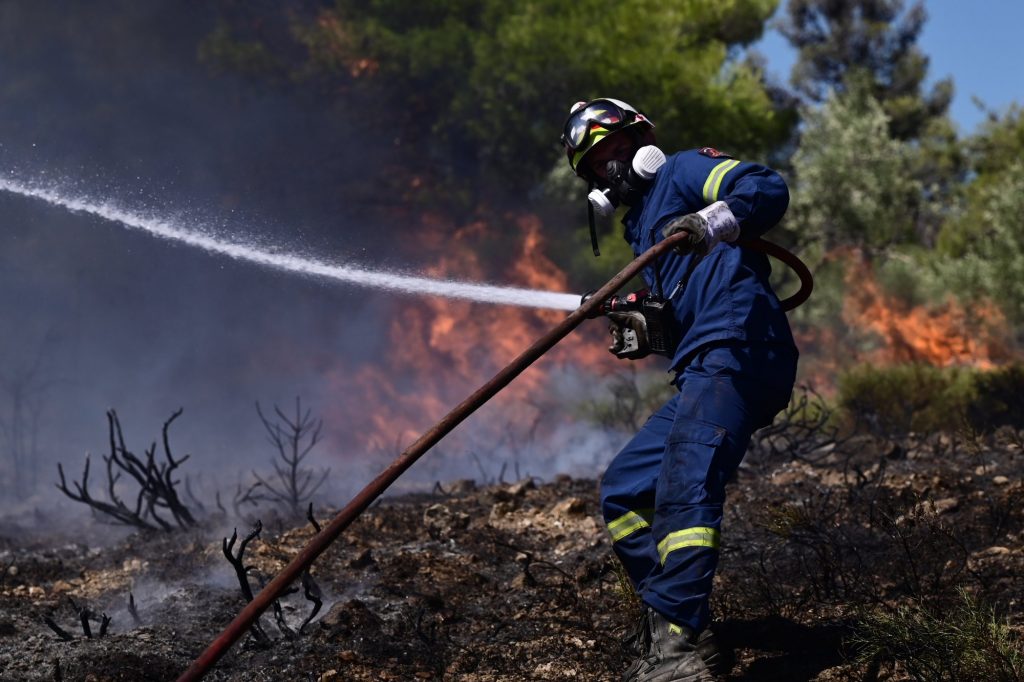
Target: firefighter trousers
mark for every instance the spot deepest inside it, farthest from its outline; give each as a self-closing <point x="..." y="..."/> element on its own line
<point x="662" y="495"/>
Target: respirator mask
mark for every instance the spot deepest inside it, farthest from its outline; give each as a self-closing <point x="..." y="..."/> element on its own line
<point x="625" y="184"/>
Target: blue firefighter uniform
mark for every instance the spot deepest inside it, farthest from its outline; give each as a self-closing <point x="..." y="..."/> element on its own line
<point x="735" y="365"/>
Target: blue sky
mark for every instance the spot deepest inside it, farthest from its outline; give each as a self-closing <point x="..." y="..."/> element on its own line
<point x="979" y="43"/>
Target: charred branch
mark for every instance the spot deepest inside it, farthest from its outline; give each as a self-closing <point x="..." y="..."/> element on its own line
<point x="282" y="624"/>
<point x="133" y="610"/>
<point x="6" y="571"/>
<point x="244" y="496"/>
<point x="292" y="484"/>
<point x="311" y="518"/>
<point x="104" y="624"/>
<point x="804" y="431"/>
<point x="85" y="616"/>
<point x="313" y="594"/>
<point x="237" y="561"/>
<point x="310" y="589"/>
<point x="196" y="502"/>
<point x="61" y="632"/>
<point x="156" y="498"/>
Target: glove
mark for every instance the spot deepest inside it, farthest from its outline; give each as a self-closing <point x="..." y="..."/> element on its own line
<point x="706" y="227"/>
<point x="629" y="335"/>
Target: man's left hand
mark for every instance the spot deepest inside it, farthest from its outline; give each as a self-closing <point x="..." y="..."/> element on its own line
<point x="706" y="227"/>
<point x="695" y="226"/>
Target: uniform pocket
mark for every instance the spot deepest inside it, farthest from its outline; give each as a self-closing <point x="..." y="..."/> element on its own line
<point x="692" y="458"/>
<point x="698" y="431"/>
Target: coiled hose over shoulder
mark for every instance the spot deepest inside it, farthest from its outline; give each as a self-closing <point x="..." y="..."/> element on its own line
<point x="793" y="262"/>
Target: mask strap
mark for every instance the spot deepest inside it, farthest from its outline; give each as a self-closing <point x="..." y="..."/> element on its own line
<point x="593" y="227"/>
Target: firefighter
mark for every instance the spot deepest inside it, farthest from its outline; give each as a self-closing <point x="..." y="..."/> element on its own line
<point x="732" y="357"/>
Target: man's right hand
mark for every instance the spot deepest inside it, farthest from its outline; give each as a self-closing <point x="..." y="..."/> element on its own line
<point x="629" y="335"/>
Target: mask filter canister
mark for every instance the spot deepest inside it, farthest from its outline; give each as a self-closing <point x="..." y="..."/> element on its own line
<point x="647" y="162"/>
<point x="627" y="184"/>
<point x="602" y="203"/>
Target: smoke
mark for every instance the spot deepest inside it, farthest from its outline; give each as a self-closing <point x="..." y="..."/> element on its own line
<point x="109" y="100"/>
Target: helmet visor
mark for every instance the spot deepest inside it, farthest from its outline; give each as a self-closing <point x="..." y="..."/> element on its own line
<point x="600" y="113"/>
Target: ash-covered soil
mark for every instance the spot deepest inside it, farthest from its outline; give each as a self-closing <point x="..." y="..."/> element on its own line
<point x="518" y="582"/>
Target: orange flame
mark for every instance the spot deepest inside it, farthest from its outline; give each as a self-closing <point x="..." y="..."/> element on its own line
<point x="439" y="350"/>
<point x="944" y="335"/>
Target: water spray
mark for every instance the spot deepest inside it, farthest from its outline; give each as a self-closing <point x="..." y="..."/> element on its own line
<point x="591" y="306"/>
<point x="172" y="230"/>
<point x="322" y="540"/>
<point x="588" y="308"/>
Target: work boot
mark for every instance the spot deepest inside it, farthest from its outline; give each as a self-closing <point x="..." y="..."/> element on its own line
<point x="672" y="655"/>
<point x="718" y="660"/>
<point x="637" y="642"/>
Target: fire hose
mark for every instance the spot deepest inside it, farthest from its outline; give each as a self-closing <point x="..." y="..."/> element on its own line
<point x="323" y="539"/>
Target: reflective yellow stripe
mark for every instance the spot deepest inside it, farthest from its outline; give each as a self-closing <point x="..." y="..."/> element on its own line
<point x="627" y="524"/>
<point x="714" y="181"/>
<point x="688" y="537"/>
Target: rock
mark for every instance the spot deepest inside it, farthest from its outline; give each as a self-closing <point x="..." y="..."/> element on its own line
<point x="945" y="505"/>
<point x="994" y="551"/>
<point x="553" y="671"/>
<point x="572" y="506"/>
<point x="519" y="488"/>
<point x="327" y="675"/>
<point x="12" y="570"/>
<point x="350" y="617"/>
<point x="1000" y="480"/>
<point x="61" y="586"/>
<point x="362" y="560"/>
<point x="501" y="510"/>
<point x="441" y="522"/>
<point x="522" y="581"/>
<point x="36" y="592"/>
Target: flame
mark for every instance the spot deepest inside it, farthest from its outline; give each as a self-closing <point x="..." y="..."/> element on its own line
<point x="943" y="335"/>
<point x="439" y="350"/>
<point x="337" y="46"/>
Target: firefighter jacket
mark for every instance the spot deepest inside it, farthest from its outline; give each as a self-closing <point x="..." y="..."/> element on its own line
<point x="724" y="295"/>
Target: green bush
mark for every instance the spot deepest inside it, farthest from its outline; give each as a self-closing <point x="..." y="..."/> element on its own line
<point x="904" y="398"/>
<point x="998" y="399"/>
<point x="923" y="398"/>
<point x="965" y="643"/>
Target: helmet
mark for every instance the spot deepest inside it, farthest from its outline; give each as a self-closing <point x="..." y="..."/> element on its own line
<point x="590" y="122"/>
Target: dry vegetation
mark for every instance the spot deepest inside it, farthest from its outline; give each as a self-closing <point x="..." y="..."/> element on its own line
<point x="844" y="557"/>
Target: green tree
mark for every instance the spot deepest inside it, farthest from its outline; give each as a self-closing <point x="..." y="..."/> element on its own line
<point x="854" y="198"/>
<point x="870" y="44"/>
<point x="480" y="89"/>
<point x="854" y="182"/>
<point x="984" y="242"/>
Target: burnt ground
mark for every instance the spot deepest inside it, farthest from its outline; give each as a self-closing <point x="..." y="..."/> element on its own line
<point x="517" y="581"/>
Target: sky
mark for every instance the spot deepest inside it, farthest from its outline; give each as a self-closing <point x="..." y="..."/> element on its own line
<point x="978" y="43"/>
